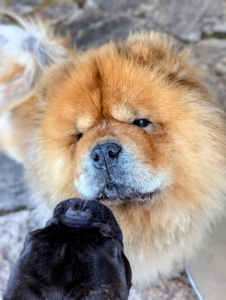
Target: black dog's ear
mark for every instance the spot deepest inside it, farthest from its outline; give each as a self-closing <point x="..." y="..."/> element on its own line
<point x="28" y="239"/>
<point x="52" y="221"/>
<point x="128" y="270"/>
<point x="105" y="229"/>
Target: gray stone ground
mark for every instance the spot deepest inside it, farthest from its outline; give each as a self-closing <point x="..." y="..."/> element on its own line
<point x="197" y="24"/>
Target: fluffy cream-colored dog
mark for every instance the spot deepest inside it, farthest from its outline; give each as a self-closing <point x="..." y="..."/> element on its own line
<point x="127" y="124"/>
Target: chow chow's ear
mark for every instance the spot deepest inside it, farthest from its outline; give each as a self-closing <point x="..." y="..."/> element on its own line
<point x="158" y="52"/>
<point x="52" y="77"/>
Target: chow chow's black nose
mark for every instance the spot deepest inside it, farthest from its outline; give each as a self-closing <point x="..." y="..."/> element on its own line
<point x="106" y="155"/>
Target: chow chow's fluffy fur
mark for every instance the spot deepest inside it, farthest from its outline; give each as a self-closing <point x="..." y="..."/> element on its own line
<point x="166" y="180"/>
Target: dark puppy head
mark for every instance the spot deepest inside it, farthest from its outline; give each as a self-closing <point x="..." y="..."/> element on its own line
<point x="78" y="255"/>
<point x="77" y="213"/>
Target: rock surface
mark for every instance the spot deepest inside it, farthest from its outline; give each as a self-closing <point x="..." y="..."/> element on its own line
<point x="13" y="192"/>
<point x="199" y="24"/>
<point x="210" y="56"/>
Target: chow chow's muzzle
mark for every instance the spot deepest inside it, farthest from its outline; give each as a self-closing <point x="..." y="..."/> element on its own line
<point x="112" y="171"/>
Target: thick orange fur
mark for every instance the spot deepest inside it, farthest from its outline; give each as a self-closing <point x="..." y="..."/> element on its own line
<point x="100" y="93"/>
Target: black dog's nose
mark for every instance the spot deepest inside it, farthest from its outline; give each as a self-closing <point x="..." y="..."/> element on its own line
<point x="106" y="155"/>
<point x="78" y="213"/>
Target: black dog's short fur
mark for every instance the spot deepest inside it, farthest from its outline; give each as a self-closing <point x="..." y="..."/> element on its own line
<point x="78" y="255"/>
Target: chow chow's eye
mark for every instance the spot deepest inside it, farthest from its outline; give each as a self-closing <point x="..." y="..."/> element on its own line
<point x="141" y="123"/>
<point x="79" y="136"/>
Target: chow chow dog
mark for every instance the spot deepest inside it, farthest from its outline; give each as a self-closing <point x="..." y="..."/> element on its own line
<point x="78" y="255"/>
<point x="128" y="124"/>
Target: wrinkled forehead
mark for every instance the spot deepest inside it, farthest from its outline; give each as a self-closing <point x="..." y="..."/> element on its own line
<point x="104" y="84"/>
<point x="110" y="87"/>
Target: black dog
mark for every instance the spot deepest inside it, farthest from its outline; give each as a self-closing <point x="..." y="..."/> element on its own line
<point x="78" y="255"/>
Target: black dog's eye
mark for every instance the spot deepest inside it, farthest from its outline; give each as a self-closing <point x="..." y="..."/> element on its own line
<point x="141" y="123"/>
<point x="79" y="136"/>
